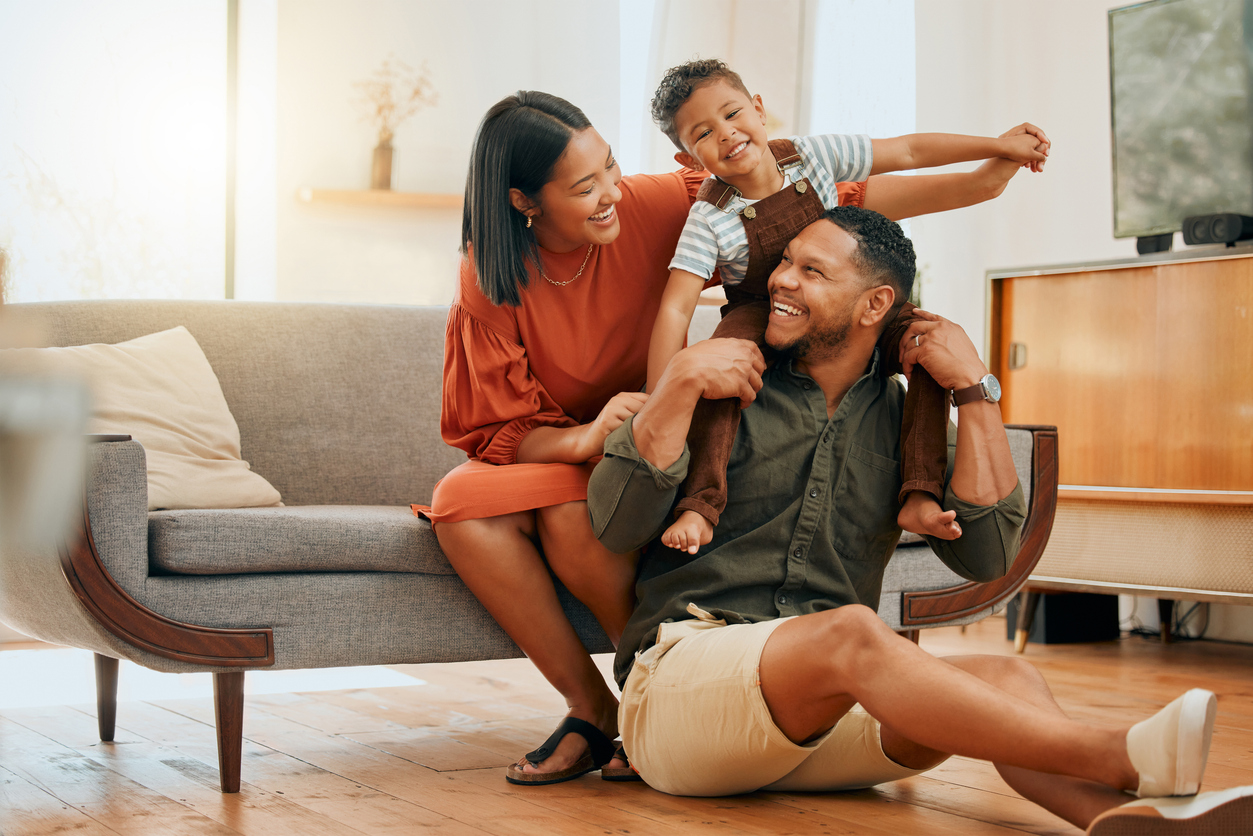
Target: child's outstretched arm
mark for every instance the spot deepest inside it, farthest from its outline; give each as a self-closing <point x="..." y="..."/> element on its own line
<point x="929" y="150"/>
<point x="678" y="302"/>
<point x="898" y="198"/>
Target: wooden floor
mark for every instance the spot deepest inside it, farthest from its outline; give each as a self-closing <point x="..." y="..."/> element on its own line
<point x="428" y="758"/>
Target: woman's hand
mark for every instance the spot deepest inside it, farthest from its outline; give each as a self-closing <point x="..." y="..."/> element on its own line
<point x="620" y="407"/>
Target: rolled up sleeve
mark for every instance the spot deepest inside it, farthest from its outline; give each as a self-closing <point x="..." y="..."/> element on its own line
<point x="629" y="498"/>
<point x="990" y="536"/>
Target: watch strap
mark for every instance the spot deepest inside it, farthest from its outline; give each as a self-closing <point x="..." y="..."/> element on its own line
<point x="970" y="394"/>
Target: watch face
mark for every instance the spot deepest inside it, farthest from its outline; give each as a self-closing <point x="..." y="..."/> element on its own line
<point x="993" y="387"/>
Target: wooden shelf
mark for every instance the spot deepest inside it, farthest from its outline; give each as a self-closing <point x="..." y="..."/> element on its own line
<point x="379" y="198"/>
<point x="1155" y="495"/>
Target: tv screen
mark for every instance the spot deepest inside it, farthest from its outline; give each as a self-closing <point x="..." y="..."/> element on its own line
<point x="1179" y="103"/>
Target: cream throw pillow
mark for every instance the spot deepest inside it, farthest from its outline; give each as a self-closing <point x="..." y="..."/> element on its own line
<point x="161" y="390"/>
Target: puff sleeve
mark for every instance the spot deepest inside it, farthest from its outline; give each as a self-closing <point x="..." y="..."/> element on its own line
<point x="490" y="398"/>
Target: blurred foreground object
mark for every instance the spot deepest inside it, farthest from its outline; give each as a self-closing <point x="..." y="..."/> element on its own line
<point x="42" y="426"/>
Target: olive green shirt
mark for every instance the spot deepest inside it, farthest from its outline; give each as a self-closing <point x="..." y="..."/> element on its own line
<point x="810" y="522"/>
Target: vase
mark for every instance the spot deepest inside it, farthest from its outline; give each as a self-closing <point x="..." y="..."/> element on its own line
<point x="381" y="171"/>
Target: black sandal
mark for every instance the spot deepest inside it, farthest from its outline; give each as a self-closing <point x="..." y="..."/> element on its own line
<point x="601" y="752"/>
<point x="620" y="773"/>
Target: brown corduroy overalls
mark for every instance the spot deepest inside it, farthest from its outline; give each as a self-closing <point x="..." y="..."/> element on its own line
<point x="770" y="224"/>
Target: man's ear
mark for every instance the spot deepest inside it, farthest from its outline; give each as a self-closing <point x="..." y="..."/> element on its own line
<point x="876" y="303"/>
<point x="688" y="161"/>
<point x="522" y="203"/>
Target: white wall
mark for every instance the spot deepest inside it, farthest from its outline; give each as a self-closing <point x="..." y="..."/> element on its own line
<point x="984" y="66"/>
<point x="477" y="51"/>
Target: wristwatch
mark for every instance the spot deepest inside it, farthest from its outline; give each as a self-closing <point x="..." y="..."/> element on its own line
<point x="987" y="389"/>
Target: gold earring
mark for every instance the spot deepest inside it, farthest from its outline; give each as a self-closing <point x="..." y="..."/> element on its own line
<point x="528" y="221"/>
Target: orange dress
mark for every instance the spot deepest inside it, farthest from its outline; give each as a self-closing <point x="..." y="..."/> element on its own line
<point x="556" y="359"/>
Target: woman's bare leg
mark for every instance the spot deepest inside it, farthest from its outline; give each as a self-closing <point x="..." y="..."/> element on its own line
<point x="815" y="667"/>
<point x="602" y="580"/>
<point x="499" y="560"/>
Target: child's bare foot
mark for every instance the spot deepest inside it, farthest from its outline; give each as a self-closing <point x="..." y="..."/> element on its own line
<point x="921" y="514"/>
<point x="688" y="533"/>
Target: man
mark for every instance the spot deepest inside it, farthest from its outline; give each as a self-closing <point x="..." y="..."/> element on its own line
<point x="759" y="662"/>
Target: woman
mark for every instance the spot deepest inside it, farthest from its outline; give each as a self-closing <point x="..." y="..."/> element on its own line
<point x="545" y="355"/>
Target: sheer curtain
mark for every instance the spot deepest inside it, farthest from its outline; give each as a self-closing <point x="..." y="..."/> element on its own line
<point x="820" y="66"/>
<point x="113" y="148"/>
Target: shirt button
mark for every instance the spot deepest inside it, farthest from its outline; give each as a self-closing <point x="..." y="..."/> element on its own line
<point x="796" y="553"/>
<point x="807" y="386"/>
<point x="813" y="492"/>
<point x="782" y="599"/>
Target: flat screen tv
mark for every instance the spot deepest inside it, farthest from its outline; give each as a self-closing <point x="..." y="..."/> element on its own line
<point x="1180" y="112"/>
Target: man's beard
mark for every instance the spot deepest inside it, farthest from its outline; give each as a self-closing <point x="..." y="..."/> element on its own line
<point x="824" y="341"/>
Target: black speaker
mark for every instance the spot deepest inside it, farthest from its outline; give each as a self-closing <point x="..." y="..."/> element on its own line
<point x="1223" y="228"/>
<point x="1068" y="617"/>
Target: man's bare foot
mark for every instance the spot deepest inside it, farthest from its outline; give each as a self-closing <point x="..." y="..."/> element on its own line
<point x="688" y="533"/>
<point x="921" y="514"/>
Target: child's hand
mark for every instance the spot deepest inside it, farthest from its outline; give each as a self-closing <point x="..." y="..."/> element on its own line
<point x="1024" y="148"/>
<point x="1043" y="147"/>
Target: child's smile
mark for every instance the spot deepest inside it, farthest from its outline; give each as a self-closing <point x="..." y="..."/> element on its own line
<point x="724" y="132"/>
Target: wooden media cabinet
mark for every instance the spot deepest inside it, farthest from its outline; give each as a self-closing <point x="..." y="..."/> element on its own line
<point x="1145" y="366"/>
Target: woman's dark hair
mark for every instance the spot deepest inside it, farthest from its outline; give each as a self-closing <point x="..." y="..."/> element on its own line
<point x="517" y="146"/>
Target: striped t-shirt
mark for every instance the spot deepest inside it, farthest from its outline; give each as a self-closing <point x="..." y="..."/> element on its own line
<point x="715" y="238"/>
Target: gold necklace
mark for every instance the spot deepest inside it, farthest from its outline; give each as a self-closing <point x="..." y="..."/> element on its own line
<point x="576" y="275"/>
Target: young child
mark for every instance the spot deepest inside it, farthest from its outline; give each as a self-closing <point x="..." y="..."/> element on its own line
<point x="761" y="195"/>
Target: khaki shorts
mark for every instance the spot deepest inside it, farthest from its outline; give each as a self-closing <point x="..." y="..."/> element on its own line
<point x="694" y="722"/>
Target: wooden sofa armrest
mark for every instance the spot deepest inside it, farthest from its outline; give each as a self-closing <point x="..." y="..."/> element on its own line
<point x="137" y="625"/>
<point x="932" y="607"/>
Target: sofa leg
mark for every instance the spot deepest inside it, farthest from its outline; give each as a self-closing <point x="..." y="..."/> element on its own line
<point x="1027" y="602"/>
<point x="228" y="705"/>
<point x="912" y="635"/>
<point x="106" y="696"/>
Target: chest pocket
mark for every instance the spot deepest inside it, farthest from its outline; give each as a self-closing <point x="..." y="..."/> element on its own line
<point x="866" y="507"/>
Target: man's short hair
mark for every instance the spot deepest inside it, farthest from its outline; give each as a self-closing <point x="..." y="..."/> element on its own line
<point x="678" y="85"/>
<point x="883" y="255"/>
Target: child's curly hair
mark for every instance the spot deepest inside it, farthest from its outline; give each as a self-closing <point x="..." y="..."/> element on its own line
<point x="678" y="85"/>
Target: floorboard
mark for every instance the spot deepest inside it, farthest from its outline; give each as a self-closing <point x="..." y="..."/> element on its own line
<point x="428" y="758"/>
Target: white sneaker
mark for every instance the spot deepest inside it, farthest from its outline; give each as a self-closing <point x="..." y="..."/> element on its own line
<point x="1170" y="748"/>
<point x="1222" y="813"/>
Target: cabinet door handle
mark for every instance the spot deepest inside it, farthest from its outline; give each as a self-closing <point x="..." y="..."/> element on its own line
<point x="1017" y="356"/>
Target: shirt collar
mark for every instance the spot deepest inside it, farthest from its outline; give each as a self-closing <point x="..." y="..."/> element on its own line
<point x="789" y="368"/>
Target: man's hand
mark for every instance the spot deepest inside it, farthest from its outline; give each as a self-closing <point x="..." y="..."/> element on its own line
<point x="943" y="349"/>
<point x="720" y="368"/>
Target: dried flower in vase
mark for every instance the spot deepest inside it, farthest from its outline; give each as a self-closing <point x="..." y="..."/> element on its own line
<point x="394" y="93"/>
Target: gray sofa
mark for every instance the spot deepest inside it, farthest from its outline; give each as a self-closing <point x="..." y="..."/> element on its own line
<point x="338" y="407"/>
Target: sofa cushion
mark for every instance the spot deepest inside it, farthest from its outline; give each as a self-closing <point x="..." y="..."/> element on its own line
<point x="161" y="390"/>
<point x="308" y="538"/>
